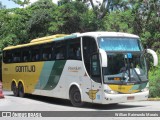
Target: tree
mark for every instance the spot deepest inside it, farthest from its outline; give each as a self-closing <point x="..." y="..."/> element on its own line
<point x="13" y="27"/>
<point x="119" y="21"/>
<point x="151" y="23"/>
<point x="39" y="22"/>
<point x="67" y="18"/>
<point x="21" y="2"/>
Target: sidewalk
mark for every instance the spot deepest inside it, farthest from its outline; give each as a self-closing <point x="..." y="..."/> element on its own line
<point x="153" y="99"/>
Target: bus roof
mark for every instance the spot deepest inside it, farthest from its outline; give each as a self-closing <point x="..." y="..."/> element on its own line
<point x="58" y="37"/>
<point x="37" y="41"/>
<point x="109" y="34"/>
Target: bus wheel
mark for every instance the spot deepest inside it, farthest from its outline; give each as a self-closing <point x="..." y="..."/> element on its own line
<point x="21" y="90"/>
<point x="75" y="97"/>
<point x="14" y="89"/>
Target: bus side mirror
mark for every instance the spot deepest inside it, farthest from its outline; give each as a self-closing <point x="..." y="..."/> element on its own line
<point x="154" y="55"/>
<point x="104" y="59"/>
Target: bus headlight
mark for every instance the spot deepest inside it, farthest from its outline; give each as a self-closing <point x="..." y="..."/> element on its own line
<point x="110" y="92"/>
<point x="145" y="89"/>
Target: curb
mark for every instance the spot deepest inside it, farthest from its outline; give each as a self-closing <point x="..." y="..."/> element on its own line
<point x="153" y="99"/>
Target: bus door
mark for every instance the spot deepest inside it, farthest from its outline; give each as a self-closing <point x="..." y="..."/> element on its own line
<point x="92" y="65"/>
<point x="96" y="82"/>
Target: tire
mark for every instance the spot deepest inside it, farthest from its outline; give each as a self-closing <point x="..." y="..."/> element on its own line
<point x="114" y="104"/>
<point x="21" y="90"/>
<point x="75" y="97"/>
<point x="14" y="89"/>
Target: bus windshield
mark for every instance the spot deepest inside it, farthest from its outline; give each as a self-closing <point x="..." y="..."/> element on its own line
<point x="119" y="44"/>
<point x="122" y="70"/>
<point x="126" y="62"/>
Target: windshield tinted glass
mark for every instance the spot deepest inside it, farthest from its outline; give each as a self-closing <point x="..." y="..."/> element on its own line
<point x="119" y="44"/>
<point x="120" y="66"/>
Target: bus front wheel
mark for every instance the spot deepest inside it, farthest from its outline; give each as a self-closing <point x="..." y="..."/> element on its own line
<point x="21" y="90"/>
<point x="75" y="97"/>
<point x="14" y="89"/>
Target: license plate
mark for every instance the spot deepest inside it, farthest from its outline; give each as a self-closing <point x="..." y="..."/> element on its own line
<point x="130" y="98"/>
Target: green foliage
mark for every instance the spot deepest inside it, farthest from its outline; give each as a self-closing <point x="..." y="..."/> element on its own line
<point x="25" y="23"/>
<point x="21" y="2"/>
<point x="119" y="21"/>
<point x="154" y="77"/>
<point x="8" y="41"/>
<point x="39" y="22"/>
<point x="90" y="22"/>
<point x="67" y="18"/>
<point x="13" y="24"/>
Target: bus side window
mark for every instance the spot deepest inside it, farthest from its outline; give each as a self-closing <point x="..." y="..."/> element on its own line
<point x="95" y="68"/>
<point x="74" y="51"/>
<point x="47" y="52"/>
<point x="35" y="54"/>
<point x="60" y="51"/>
<point x="89" y="48"/>
<point x="25" y="55"/>
<point x="7" y="57"/>
<point x="17" y="55"/>
<point x="11" y="57"/>
<point x="59" y="54"/>
<point x="71" y="52"/>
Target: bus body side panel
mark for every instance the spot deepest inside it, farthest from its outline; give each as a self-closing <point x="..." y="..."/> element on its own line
<point x="69" y="73"/>
<point x="50" y="78"/>
<point x="27" y="72"/>
<point x="74" y="74"/>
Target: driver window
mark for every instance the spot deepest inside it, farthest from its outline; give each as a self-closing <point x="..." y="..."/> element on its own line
<point x="95" y="68"/>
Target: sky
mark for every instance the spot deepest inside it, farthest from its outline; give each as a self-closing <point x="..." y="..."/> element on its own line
<point x="10" y="4"/>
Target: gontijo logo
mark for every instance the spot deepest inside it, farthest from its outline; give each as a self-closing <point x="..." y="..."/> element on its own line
<point x="25" y="68"/>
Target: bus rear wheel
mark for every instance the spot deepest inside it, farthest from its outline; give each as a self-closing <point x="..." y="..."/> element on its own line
<point x="75" y="97"/>
<point x="21" y="90"/>
<point x="14" y="89"/>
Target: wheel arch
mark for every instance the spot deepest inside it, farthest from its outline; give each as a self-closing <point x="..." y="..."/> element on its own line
<point x="79" y="88"/>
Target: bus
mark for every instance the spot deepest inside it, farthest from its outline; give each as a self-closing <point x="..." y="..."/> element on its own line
<point x="92" y="67"/>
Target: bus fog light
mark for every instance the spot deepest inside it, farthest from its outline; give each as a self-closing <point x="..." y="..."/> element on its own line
<point x="110" y="92"/>
<point x="145" y="89"/>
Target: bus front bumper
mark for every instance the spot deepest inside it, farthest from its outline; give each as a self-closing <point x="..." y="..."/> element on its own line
<point x="120" y="98"/>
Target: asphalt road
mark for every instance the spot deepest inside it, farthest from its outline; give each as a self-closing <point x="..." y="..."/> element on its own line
<point x="39" y="103"/>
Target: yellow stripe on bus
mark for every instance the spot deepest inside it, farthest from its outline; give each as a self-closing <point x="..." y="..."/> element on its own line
<point x="123" y="88"/>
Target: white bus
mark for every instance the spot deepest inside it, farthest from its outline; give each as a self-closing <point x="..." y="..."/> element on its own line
<point x="94" y="67"/>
